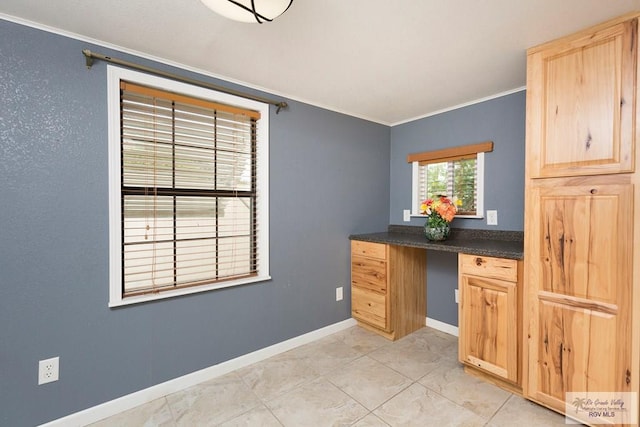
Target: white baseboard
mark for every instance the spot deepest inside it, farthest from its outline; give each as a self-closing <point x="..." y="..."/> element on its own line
<point x="442" y="327"/>
<point x="107" y="409"/>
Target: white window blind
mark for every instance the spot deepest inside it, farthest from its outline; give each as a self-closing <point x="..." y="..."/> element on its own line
<point x="188" y="195"/>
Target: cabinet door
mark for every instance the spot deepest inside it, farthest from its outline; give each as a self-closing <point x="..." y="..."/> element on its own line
<point x="578" y="276"/>
<point x="488" y="325"/>
<point x="581" y="103"/>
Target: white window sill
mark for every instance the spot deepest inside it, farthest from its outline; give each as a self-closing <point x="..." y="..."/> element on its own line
<point x="457" y="216"/>
<point x="118" y="301"/>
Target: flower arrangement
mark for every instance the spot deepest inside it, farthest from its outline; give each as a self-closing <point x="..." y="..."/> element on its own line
<point x="439" y="210"/>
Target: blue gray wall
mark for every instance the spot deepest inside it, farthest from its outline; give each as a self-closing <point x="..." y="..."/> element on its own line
<point x="501" y="120"/>
<point x="329" y="178"/>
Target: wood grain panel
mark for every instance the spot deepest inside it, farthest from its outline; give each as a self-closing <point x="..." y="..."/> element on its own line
<point x="581" y="104"/>
<point x="485" y="266"/>
<point x="580" y="252"/>
<point x="575" y="353"/>
<point x="489" y="325"/>
<point x="369" y="249"/>
<point x="579" y="281"/>
<point x="408" y="278"/>
<point x="370" y="307"/>
<point x="369" y="273"/>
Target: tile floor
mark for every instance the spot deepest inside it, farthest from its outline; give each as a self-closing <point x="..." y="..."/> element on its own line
<point x="351" y="378"/>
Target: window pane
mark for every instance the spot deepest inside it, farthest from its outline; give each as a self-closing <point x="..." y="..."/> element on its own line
<point x="464" y="185"/>
<point x="146" y="164"/>
<point x="453" y="179"/>
<point x="196" y="261"/>
<point x="235" y="216"/>
<point x="235" y="256"/>
<point x="196" y="217"/>
<point x="437" y="179"/>
<point x="148" y="266"/>
<point x="194" y="167"/>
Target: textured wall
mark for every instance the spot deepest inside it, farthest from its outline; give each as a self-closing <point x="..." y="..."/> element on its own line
<point x="501" y="120"/>
<point x="329" y="178"/>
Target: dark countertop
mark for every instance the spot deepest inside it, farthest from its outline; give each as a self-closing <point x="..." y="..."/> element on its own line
<point x="501" y="244"/>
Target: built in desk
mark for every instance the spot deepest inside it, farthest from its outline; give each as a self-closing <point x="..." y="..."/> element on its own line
<point x="494" y="243"/>
<point x="388" y="292"/>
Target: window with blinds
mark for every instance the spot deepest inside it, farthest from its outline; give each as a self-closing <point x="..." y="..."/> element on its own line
<point x="455" y="172"/>
<point x="189" y="192"/>
<point x="456" y="179"/>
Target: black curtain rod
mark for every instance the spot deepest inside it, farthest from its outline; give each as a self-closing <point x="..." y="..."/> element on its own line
<point x="91" y="56"/>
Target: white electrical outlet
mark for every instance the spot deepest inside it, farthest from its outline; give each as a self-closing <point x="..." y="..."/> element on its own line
<point x="406" y="215"/>
<point x="48" y="370"/>
<point x="339" y="294"/>
<point x="456" y="296"/>
<point x="492" y="217"/>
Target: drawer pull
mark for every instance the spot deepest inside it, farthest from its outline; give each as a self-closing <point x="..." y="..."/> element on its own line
<point x="478" y="262"/>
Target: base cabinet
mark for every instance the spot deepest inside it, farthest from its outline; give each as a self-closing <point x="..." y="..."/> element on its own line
<point x="388" y="286"/>
<point x="489" y="316"/>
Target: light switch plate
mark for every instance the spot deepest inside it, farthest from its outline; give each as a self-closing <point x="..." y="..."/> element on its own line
<point x="406" y="215"/>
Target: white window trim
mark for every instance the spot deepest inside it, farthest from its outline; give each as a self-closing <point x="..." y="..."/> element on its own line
<point x="114" y="75"/>
<point x="415" y="200"/>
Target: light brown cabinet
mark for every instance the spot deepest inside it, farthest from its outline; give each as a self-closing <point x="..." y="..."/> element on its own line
<point x="581" y="103"/>
<point x="388" y="286"/>
<point x="582" y="217"/>
<point x="490" y="325"/>
<point x="580" y="287"/>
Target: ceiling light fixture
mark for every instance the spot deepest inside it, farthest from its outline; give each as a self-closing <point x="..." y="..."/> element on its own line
<point x="251" y="11"/>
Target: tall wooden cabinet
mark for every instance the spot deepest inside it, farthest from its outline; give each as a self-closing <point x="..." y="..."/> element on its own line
<point x="582" y="216"/>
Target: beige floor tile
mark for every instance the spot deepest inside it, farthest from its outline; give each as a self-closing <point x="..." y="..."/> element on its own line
<point x="419" y="406"/>
<point x="276" y="375"/>
<point x="326" y="354"/>
<point x="339" y="380"/>
<point x="318" y="403"/>
<point x="412" y="361"/>
<point x="260" y="416"/>
<point x="212" y="402"/>
<point x="520" y="412"/>
<point x="155" y="413"/>
<point x="432" y="340"/>
<point x="371" y="421"/>
<point x="369" y="382"/>
<point x="479" y="396"/>
<point x="362" y="340"/>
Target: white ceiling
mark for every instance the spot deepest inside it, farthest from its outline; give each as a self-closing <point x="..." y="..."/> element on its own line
<point x="382" y="60"/>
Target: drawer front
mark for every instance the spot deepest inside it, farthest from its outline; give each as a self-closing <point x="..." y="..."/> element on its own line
<point x="369" y="273"/>
<point x="369" y="307"/>
<point x="486" y="266"/>
<point x="369" y="249"/>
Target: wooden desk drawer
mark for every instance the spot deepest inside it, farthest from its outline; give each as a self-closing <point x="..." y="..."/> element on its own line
<point x="485" y="266"/>
<point x="369" y="273"/>
<point x="369" y="307"/>
<point x="369" y="249"/>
